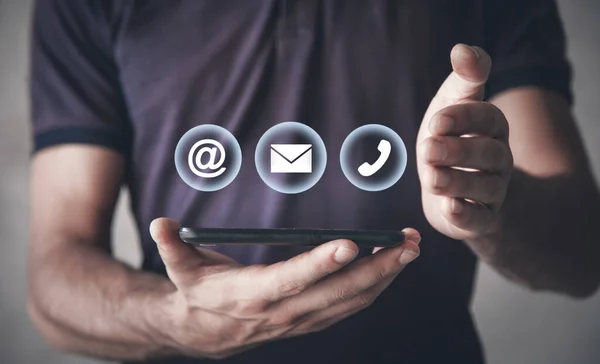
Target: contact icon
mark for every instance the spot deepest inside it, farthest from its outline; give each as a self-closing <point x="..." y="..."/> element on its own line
<point x="373" y="157"/>
<point x="290" y="157"/>
<point x="208" y="157"/>
<point x="214" y="150"/>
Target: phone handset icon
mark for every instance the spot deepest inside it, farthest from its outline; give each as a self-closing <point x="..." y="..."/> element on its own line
<point x="366" y="169"/>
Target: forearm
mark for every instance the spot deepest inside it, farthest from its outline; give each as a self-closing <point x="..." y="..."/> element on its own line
<point x="86" y="302"/>
<point x="548" y="234"/>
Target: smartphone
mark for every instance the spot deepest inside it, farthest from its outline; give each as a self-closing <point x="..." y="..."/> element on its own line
<point x="288" y="237"/>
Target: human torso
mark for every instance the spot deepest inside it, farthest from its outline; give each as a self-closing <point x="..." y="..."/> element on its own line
<point x="334" y="66"/>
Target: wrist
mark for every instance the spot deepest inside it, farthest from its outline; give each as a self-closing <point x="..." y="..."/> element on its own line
<point x="158" y="311"/>
<point x="175" y="329"/>
<point x="183" y="332"/>
<point x="486" y="243"/>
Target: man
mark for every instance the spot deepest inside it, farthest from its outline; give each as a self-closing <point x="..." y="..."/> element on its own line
<point x="115" y="84"/>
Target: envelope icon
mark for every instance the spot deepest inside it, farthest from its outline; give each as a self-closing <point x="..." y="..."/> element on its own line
<point x="291" y="158"/>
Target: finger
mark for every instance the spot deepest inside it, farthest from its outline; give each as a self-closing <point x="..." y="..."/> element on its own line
<point x="355" y="279"/>
<point x="472" y="217"/>
<point x="473" y="117"/>
<point x="482" y="153"/>
<point x="174" y="253"/>
<point x="470" y="71"/>
<point x="410" y="234"/>
<point x="180" y="258"/>
<point x="320" y="320"/>
<point x="293" y="276"/>
<point x="483" y="187"/>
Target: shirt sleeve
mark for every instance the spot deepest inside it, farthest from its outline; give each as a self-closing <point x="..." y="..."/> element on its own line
<point x="526" y="41"/>
<point x="74" y="84"/>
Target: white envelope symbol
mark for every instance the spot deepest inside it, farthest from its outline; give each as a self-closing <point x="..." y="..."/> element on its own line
<point x="291" y="158"/>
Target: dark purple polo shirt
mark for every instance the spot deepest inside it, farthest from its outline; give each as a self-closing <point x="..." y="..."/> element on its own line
<point x="134" y="76"/>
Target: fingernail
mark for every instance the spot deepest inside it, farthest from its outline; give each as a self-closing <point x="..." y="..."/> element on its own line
<point x="441" y="179"/>
<point x="408" y="256"/>
<point x="344" y="255"/>
<point x="457" y="206"/>
<point x="437" y="151"/>
<point x="474" y="50"/>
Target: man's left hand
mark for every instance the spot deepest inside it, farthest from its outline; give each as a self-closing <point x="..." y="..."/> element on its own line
<point x="463" y="155"/>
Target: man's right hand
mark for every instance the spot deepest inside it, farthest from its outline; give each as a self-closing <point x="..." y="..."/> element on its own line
<point x="221" y="307"/>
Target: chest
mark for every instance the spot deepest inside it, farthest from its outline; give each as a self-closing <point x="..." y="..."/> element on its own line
<point x="245" y="65"/>
<point x="216" y="61"/>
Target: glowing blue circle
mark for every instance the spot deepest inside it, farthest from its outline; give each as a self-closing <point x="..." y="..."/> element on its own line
<point x="366" y="183"/>
<point x="286" y="131"/>
<point x="199" y="175"/>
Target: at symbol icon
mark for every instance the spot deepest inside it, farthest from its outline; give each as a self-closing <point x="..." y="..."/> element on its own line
<point x="211" y="147"/>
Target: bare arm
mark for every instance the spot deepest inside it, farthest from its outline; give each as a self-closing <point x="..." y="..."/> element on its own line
<point x="550" y="229"/>
<point x="84" y="301"/>
<point x="79" y="296"/>
<point x="518" y="190"/>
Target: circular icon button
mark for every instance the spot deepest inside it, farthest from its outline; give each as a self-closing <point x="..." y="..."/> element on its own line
<point x="208" y="157"/>
<point x="373" y="157"/>
<point x="290" y="157"/>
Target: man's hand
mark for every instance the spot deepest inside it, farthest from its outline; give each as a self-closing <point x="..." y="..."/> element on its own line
<point x="221" y="307"/>
<point x="463" y="156"/>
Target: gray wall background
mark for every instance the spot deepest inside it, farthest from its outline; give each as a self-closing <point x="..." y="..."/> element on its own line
<point x="516" y="326"/>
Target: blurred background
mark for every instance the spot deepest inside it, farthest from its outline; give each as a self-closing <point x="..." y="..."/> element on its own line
<point x="516" y="326"/>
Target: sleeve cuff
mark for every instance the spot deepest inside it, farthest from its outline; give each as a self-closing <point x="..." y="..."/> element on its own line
<point x="547" y="78"/>
<point x="81" y="135"/>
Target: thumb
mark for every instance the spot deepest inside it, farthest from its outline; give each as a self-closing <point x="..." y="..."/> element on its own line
<point x="470" y="71"/>
<point x="179" y="257"/>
